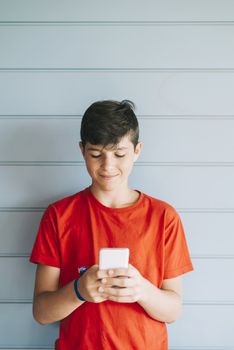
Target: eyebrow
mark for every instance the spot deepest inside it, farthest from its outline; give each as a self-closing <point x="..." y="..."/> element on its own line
<point x="99" y="150"/>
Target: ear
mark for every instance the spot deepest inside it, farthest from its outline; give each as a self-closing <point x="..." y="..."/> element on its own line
<point x="137" y="150"/>
<point x="82" y="148"/>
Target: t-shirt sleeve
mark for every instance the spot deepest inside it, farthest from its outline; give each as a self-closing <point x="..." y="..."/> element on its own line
<point x="46" y="247"/>
<point x="177" y="260"/>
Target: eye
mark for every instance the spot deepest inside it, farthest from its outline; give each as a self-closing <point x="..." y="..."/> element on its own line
<point x="95" y="156"/>
<point x="120" y="155"/>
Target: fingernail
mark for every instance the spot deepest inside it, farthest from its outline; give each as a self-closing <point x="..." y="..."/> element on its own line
<point x="100" y="289"/>
<point x="104" y="280"/>
<point x="110" y="272"/>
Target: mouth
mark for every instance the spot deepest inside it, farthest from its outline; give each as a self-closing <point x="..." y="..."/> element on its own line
<point x="108" y="177"/>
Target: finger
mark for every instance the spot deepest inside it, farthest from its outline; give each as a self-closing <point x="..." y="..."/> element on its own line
<point x="92" y="268"/>
<point x="99" y="299"/>
<point x="129" y="272"/>
<point x="95" y="267"/>
<point x="118" y="282"/>
<point x="111" y="273"/>
<point x="119" y="292"/>
<point x="102" y="274"/>
<point x="126" y="299"/>
<point x="101" y="293"/>
<point x="96" y="295"/>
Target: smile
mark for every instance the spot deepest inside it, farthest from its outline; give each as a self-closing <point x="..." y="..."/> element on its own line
<point x="107" y="177"/>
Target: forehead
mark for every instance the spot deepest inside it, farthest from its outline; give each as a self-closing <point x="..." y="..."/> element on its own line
<point x="123" y="144"/>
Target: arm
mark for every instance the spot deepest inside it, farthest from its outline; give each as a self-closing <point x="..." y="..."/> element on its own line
<point x="51" y="303"/>
<point x="161" y="304"/>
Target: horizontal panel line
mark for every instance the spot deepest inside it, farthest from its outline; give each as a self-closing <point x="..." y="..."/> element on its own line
<point x="191" y="303"/>
<point x="187" y="347"/>
<point x="206" y="210"/>
<point x="42" y="163"/>
<point x="170" y="348"/>
<point x="193" y="256"/>
<point x="14" y="255"/>
<point x="26" y="347"/>
<point x="139" y="116"/>
<point x="139" y="163"/>
<point x="118" y="70"/>
<point x="212" y="257"/>
<point x="34" y="347"/>
<point x="180" y="210"/>
<point x="116" y="23"/>
<point x="21" y="209"/>
<point x="209" y="302"/>
<point x="15" y="301"/>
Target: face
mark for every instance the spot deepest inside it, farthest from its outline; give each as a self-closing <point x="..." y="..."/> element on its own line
<point x="110" y="167"/>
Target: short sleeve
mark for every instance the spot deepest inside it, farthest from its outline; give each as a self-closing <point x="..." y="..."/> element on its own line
<point x="177" y="259"/>
<point x="46" y="247"/>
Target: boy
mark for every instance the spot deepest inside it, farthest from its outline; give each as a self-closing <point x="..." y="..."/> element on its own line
<point x="119" y="308"/>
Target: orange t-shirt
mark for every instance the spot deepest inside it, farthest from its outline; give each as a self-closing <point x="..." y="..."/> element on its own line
<point x="72" y="231"/>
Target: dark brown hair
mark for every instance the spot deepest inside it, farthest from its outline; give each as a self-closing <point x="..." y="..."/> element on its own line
<point x="106" y="122"/>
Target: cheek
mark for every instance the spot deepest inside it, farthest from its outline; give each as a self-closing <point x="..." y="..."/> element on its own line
<point x="127" y="164"/>
<point x="90" y="166"/>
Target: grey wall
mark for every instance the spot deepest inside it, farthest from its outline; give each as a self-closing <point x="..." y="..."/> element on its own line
<point x="175" y="61"/>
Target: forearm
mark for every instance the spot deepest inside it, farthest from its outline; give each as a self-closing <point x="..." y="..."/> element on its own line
<point x="162" y="305"/>
<point x="49" y="307"/>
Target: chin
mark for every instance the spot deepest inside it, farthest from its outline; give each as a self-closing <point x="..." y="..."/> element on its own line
<point x="107" y="186"/>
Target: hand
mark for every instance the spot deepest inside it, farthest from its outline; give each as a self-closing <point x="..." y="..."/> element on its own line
<point x="89" y="284"/>
<point x="121" y="285"/>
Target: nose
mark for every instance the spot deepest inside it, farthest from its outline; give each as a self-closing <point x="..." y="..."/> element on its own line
<point x="108" y="162"/>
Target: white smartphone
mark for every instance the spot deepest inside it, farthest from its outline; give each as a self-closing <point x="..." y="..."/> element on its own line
<point x="112" y="258"/>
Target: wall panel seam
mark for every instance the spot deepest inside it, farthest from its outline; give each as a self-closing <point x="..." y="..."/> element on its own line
<point x="185" y="302"/>
<point x="50" y="163"/>
<point x="118" y="70"/>
<point x="180" y="210"/>
<point x="117" y="23"/>
<point x="141" y="117"/>
<point x="200" y="347"/>
<point x="26" y="347"/>
<point x="193" y="256"/>
<point x="170" y="347"/>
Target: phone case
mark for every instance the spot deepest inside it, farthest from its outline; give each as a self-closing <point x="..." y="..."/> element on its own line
<point x="111" y="258"/>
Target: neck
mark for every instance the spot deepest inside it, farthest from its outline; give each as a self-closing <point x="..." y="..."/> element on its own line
<point x="115" y="198"/>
